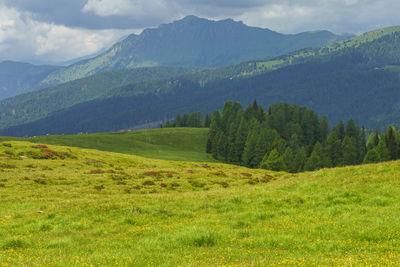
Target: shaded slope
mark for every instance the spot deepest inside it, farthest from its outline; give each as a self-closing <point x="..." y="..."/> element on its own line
<point x="35" y="105"/>
<point x="18" y="78"/>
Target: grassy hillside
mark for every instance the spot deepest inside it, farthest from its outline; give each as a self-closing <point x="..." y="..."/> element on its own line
<point x="86" y="207"/>
<point x="169" y="143"/>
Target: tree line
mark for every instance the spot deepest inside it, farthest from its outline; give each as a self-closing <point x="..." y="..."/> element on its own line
<point x="289" y="138"/>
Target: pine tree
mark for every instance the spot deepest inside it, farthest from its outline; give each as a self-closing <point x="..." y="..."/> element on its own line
<point x="362" y="146"/>
<point x="349" y="149"/>
<point x="334" y="148"/>
<point x="372" y="157"/>
<point x="261" y="147"/>
<point x="300" y="159"/>
<point x="340" y="130"/>
<point x="209" y="145"/>
<point x="222" y="145"/>
<point x="382" y="150"/>
<point x="178" y="121"/>
<point x="391" y="143"/>
<point x="241" y="137"/>
<point x="373" y="141"/>
<point x="352" y="130"/>
<point x="324" y="129"/>
<point x="289" y="160"/>
<point x="249" y="153"/>
<point x="316" y="159"/>
<point x="233" y="156"/>
<point x="273" y="161"/>
<point x="207" y="120"/>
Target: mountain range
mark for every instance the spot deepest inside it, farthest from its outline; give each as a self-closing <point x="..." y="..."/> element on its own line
<point x="356" y="78"/>
<point x="18" y="78"/>
<point x="190" y="42"/>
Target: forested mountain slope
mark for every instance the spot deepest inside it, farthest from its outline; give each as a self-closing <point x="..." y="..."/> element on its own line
<point x="18" y="78"/>
<point x="194" y="42"/>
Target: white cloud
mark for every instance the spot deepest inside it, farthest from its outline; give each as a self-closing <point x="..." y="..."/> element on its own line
<point x="47" y="31"/>
<point x="292" y="16"/>
<point x="23" y="38"/>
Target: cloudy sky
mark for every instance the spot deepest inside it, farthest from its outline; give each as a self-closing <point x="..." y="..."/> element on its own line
<point x="60" y="30"/>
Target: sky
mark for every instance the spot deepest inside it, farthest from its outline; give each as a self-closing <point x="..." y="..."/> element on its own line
<point x="54" y="31"/>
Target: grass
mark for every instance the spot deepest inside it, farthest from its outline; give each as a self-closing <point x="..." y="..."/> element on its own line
<point x="70" y="206"/>
<point x="168" y="143"/>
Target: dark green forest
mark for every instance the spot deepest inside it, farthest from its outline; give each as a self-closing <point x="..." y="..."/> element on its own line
<point x="289" y="138"/>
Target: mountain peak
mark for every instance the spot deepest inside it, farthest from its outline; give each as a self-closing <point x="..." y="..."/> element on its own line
<point x="194" y="42"/>
<point x="191" y="18"/>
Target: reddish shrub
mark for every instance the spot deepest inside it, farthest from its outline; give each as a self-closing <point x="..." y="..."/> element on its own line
<point x="40" y="180"/>
<point x="219" y="173"/>
<point x="98" y="171"/>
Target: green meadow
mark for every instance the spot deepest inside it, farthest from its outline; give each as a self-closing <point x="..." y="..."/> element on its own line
<point x="67" y="206"/>
<point x="169" y="143"/>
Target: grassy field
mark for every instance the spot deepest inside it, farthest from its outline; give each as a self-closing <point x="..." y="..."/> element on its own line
<point x="169" y="143"/>
<point x="63" y="206"/>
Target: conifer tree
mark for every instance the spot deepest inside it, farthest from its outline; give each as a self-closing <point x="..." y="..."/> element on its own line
<point x="289" y="160"/>
<point x="261" y="147"/>
<point x="334" y="148"/>
<point x="222" y="145"/>
<point x="273" y="161"/>
<point x="323" y="129"/>
<point x="233" y="156"/>
<point x="316" y="159"/>
<point x="207" y="120"/>
<point x="249" y="153"/>
<point x="391" y="143"/>
<point x="382" y="150"/>
<point x="349" y="149"/>
<point x="372" y="157"/>
<point x="352" y="130"/>
<point x="362" y="146"/>
<point x="241" y="137"/>
<point x="340" y="130"/>
<point x="300" y="159"/>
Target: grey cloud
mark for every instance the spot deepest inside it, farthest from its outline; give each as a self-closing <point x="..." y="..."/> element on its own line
<point x="335" y="15"/>
<point x="38" y="20"/>
<point x="69" y="13"/>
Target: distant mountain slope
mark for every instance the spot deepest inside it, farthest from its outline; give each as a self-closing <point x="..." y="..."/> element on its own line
<point x="194" y="42"/>
<point x="35" y="105"/>
<point x="17" y="78"/>
<point x="358" y="79"/>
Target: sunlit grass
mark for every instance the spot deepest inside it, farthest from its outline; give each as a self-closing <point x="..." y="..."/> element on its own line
<point x="108" y="209"/>
<point x="169" y="143"/>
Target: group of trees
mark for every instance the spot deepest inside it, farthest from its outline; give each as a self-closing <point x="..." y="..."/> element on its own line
<point x="293" y="139"/>
<point x="194" y="119"/>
